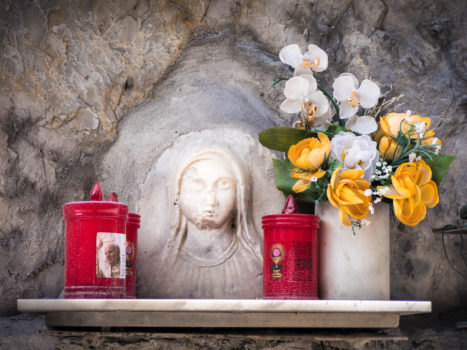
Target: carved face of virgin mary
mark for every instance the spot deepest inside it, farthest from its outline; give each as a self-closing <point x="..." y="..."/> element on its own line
<point x="208" y="194"/>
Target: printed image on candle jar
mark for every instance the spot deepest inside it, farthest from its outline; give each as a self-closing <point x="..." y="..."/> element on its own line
<point x="110" y="255"/>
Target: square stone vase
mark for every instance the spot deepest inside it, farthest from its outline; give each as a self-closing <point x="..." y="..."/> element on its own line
<point x="353" y="267"/>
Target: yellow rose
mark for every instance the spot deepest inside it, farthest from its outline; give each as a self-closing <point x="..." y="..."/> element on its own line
<point x="346" y="192"/>
<point x="308" y="156"/>
<point x="389" y="127"/>
<point x="389" y="148"/>
<point x="412" y="190"/>
<point x="393" y="122"/>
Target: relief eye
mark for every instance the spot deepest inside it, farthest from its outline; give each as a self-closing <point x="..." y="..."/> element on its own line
<point x="224" y="184"/>
<point x="193" y="182"/>
<point x="197" y="183"/>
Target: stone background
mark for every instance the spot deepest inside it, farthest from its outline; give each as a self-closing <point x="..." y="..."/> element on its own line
<point x="72" y="72"/>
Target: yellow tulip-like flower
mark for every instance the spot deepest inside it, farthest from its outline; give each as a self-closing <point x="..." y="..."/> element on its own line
<point x="308" y="156"/>
<point x="346" y="192"/>
<point x="391" y="124"/>
<point x="389" y="148"/>
<point x="412" y="190"/>
<point x="430" y="139"/>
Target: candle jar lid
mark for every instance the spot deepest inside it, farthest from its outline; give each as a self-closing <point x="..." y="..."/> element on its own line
<point x="134" y="218"/>
<point x="289" y="220"/>
<point x="96" y="206"/>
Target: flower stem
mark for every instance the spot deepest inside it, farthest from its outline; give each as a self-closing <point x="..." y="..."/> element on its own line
<point x="334" y="104"/>
<point x="279" y="79"/>
<point x="320" y="196"/>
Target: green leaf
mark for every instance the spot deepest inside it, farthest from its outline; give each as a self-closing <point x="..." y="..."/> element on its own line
<point x="284" y="183"/>
<point x="335" y="129"/>
<point x="333" y="165"/>
<point x="439" y="166"/>
<point x="280" y="138"/>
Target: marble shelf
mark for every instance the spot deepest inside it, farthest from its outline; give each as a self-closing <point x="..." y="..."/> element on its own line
<point x="239" y="313"/>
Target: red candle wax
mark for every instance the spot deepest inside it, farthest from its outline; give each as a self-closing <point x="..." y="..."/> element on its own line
<point x="95" y="240"/>
<point x="290" y="262"/>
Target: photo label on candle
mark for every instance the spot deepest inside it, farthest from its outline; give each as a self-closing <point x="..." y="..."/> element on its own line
<point x="277" y="255"/>
<point x="110" y="255"/>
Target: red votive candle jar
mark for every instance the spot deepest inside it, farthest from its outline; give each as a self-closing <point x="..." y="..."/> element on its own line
<point x="290" y="263"/>
<point x="132" y="226"/>
<point x="95" y="242"/>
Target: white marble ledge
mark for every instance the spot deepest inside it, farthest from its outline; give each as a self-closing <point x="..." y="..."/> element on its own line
<point x="222" y="313"/>
<point x="225" y="305"/>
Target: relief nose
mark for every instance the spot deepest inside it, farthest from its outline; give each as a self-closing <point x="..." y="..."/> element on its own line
<point x="210" y="199"/>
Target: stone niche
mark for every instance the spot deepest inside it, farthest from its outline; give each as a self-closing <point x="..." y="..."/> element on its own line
<point x="190" y="163"/>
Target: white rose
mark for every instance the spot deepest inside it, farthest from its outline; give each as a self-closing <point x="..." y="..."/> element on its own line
<point x="355" y="152"/>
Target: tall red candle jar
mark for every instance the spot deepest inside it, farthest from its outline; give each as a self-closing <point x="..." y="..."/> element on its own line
<point x="95" y="242"/>
<point x="132" y="226"/>
<point x="290" y="263"/>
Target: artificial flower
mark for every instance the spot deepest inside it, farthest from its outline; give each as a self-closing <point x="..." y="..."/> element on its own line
<point x="346" y="192"/>
<point x="297" y="91"/>
<point x="316" y="111"/>
<point x="363" y="125"/>
<point x="301" y="95"/>
<point x="322" y="120"/>
<point x="389" y="148"/>
<point x="364" y="159"/>
<point x="308" y="157"/>
<point x="314" y="59"/>
<point x="411" y="125"/>
<point x="355" y="152"/>
<point x="412" y="191"/>
<point x="351" y="96"/>
<point x="393" y="123"/>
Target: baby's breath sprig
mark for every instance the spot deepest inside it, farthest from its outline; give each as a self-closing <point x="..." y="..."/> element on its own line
<point x="382" y="171"/>
<point x="406" y="148"/>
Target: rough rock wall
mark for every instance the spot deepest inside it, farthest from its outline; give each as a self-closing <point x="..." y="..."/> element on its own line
<point x="22" y="332"/>
<point x="70" y="71"/>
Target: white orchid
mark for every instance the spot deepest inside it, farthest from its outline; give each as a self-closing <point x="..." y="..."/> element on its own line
<point x="314" y="59"/>
<point x="302" y="96"/>
<point x="363" y="125"/>
<point x="318" y="111"/>
<point x="355" y="152"/>
<point x="297" y="91"/>
<point x="351" y="96"/>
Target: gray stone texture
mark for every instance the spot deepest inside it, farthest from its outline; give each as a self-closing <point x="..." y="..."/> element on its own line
<point x="24" y="332"/>
<point x="72" y="73"/>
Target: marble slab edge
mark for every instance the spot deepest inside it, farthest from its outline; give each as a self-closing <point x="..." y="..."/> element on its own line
<point x="222" y="313"/>
<point x="198" y="319"/>
<point x="225" y="305"/>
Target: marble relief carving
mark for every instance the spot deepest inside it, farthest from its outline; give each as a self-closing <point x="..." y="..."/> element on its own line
<point x="209" y="244"/>
<point x="209" y="247"/>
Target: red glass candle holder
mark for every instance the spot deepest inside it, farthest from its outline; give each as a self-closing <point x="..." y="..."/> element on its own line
<point x="95" y="241"/>
<point x="290" y="269"/>
<point x="132" y="226"/>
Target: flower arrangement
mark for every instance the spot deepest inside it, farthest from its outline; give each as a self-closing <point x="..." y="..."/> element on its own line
<point x="345" y="150"/>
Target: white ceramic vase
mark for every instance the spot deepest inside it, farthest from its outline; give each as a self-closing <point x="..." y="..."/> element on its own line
<point x="353" y="267"/>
